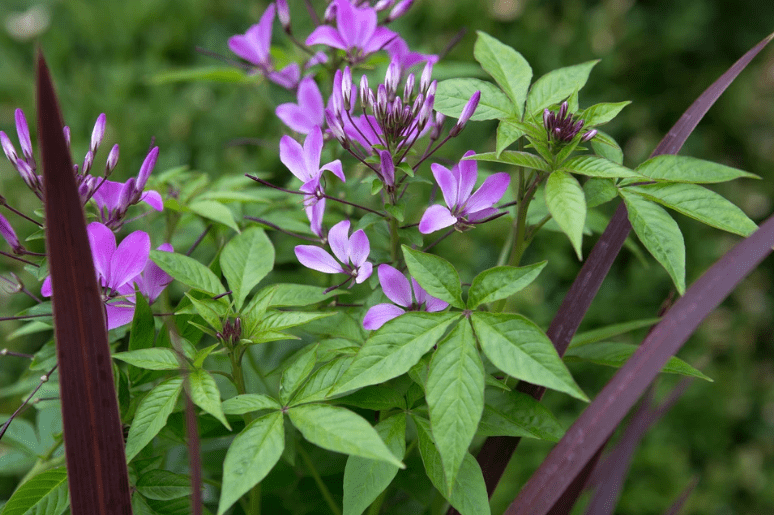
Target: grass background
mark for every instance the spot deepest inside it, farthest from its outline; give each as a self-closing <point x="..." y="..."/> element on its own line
<point x="115" y="57"/>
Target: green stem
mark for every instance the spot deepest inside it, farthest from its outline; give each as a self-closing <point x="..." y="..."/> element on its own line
<point x="394" y="240"/>
<point x="317" y="479"/>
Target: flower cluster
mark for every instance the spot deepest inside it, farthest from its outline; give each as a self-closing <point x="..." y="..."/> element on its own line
<point x="561" y="126"/>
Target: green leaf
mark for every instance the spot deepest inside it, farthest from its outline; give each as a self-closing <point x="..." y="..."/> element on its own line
<point x="605" y="146"/>
<point x="557" y="85"/>
<point x="163" y="485"/>
<point x="616" y="354"/>
<point x="700" y="204"/>
<point x="143" y="328"/>
<point x="226" y="74"/>
<point x="340" y="430"/>
<point x="292" y="295"/>
<point x="205" y="394"/>
<point x="140" y="505"/>
<point x="294" y="375"/>
<point x="317" y="386"/>
<point x="393" y="349"/>
<point x="567" y="204"/>
<point x="508" y="68"/>
<point x="214" y="211"/>
<point x="501" y="282"/>
<point x="659" y="234"/>
<point x="598" y="167"/>
<point x="455" y="397"/>
<point x="509" y="413"/>
<point x="202" y="354"/>
<point x="44" y="494"/>
<point x="151" y="359"/>
<point x="673" y="168"/>
<point x="152" y="415"/>
<point x="376" y="398"/>
<point x="507" y="133"/>
<point x="599" y="114"/>
<point x="365" y="479"/>
<point x="453" y="94"/>
<point x="245" y="260"/>
<point x="515" y="158"/>
<point x="280" y="320"/>
<point x="598" y="191"/>
<point x="436" y="275"/>
<point x="245" y="403"/>
<point x="610" y="331"/>
<point x="519" y="348"/>
<point x="188" y="271"/>
<point x="468" y="494"/>
<point x="205" y="310"/>
<point x="251" y="456"/>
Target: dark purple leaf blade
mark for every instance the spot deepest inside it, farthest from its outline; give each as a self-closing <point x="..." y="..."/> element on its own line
<point x="497" y="451"/>
<point x="94" y="444"/>
<point x="677" y="506"/>
<point x="607" y="410"/>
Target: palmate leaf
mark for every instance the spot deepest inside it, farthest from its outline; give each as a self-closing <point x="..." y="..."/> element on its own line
<point x="501" y="282"/>
<point x="660" y="234"/>
<point x="365" y="479"/>
<point x="251" y="456"/>
<point x="455" y="397"/>
<point x="152" y="415"/>
<point x="245" y="260"/>
<point x="393" y="349"/>
<point x="453" y="94"/>
<point x="44" y="494"/>
<point x="436" y="275"/>
<point x="567" y="204"/>
<point x="557" y="85"/>
<point x="507" y="66"/>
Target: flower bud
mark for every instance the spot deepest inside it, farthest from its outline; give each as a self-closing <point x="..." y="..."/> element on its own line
<point x="346" y="88"/>
<point x="8" y="148"/>
<point x="330" y="14"/>
<point x="431" y="89"/>
<point x="383" y="5"/>
<point x="147" y="167"/>
<point x="589" y="135"/>
<point x="391" y="78"/>
<point x="399" y="10"/>
<point x="283" y="13"/>
<point x="387" y="167"/>
<point x="336" y="128"/>
<point x="381" y="100"/>
<point x="563" y="110"/>
<point x="98" y="133"/>
<point x="27" y="173"/>
<point x="408" y="89"/>
<point x="425" y="112"/>
<point x="23" y="130"/>
<point x="364" y="91"/>
<point x="66" y="131"/>
<point x="88" y="160"/>
<point x="417" y="105"/>
<point x="128" y="196"/>
<point x="437" y="126"/>
<point x="424" y="81"/>
<point x="547" y="119"/>
<point x="9" y="235"/>
<point x="467" y="112"/>
<point x="112" y="160"/>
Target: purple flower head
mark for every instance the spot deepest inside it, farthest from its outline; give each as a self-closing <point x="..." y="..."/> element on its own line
<point x="117" y="269"/>
<point x="114" y="198"/>
<point x="350" y="251"/>
<point x="9" y="235"/>
<point x="398" y="290"/>
<point x="562" y="127"/>
<point x="304" y="162"/>
<point x="254" y="45"/>
<point x="308" y="112"/>
<point x="463" y="208"/>
<point x="356" y="31"/>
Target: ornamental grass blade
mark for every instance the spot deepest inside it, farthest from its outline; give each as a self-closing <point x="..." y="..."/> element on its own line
<point x="600" y="419"/>
<point x="497" y="451"/>
<point x="94" y="444"/>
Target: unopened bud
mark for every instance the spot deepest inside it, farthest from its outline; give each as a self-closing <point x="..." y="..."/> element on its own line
<point x="66" y="131"/>
<point x="88" y="160"/>
<point x="383" y="5"/>
<point x="431" y="89"/>
<point x="408" y="89"/>
<point x="426" y="112"/>
<point x="399" y="10"/>
<point x="563" y="110"/>
<point x="424" y="81"/>
<point x="127" y="195"/>
<point x="364" y="91"/>
<point x="381" y="100"/>
<point x="387" y="167"/>
<point x="547" y="119"/>
<point x="391" y="78"/>
<point x="147" y="167"/>
<point x="112" y="159"/>
<point x="467" y="112"/>
<point x="27" y="173"/>
<point x="330" y="13"/>
<point x="437" y="126"/>
<point x="98" y="133"/>
<point x="8" y="148"/>
<point x="417" y="105"/>
<point x="23" y="130"/>
<point x="589" y="135"/>
<point x="336" y="128"/>
<point x="9" y="235"/>
<point x="283" y="13"/>
<point x="346" y="88"/>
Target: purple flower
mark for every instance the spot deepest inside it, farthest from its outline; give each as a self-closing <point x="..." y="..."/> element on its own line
<point x="461" y="207"/>
<point x="114" y="198"/>
<point x="152" y="280"/>
<point x="399" y="52"/>
<point x="398" y="290"/>
<point x="315" y="212"/>
<point x="351" y="252"/>
<point x="254" y="46"/>
<point x="308" y="112"/>
<point x="304" y="162"/>
<point x="116" y="270"/>
<point x="9" y="235"/>
<point x="356" y="31"/>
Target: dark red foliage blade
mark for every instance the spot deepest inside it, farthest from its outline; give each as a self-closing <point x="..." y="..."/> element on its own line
<point x="94" y="445"/>
<point x="497" y="451"/>
<point x="610" y="406"/>
<point x="677" y="506"/>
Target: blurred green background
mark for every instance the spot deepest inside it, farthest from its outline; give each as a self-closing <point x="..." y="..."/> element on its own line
<point x="112" y="57"/>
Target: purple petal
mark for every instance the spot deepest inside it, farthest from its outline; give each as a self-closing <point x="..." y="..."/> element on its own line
<point x="378" y="39"/>
<point x="153" y="199"/>
<point x="152" y="281"/>
<point x="315" y="214"/>
<point x="338" y="239"/>
<point x="129" y="259"/>
<point x="325" y="35"/>
<point x="7" y="232"/>
<point x="364" y="272"/>
<point x="147" y="167"/>
<point x="448" y="182"/>
<point x="468" y="173"/>
<point x="287" y="77"/>
<point x="120" y="315"/>
<point x="108" y="196"/>
<point x="103" y="245"/>
<point x="387" y="166"/>
<point x="378" y="315"/>
<point x="254" y="45"/>
<point x="295" y="117"/>
<point x="292" y="156"/>
<point x="359" y="248"/>
<point x="310" y="98"/>
<point x="335" y="168"/>
<point x="23" y="130"/>
<point x="480" y="215"/>
<point x="313" y="145"/>
<point x="489" y="193"/>
<point x="98" y="132"/>
<point x="317" y="259"/>
<point x="318" y="58"/>
<point x="45" y="288"/>
<point x="436" y="217"/>
<point x="8" y="148"/>
<point x="353" y="25"/>
<point x="434" y="304"/>
<point x="395" y="285"/>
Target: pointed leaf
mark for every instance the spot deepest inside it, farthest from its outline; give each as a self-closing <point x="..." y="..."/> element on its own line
<point x="251" y="456"/>
<point x="599" y="114"/>
<point x="245" y="260"/>
<point x="394" y="349"/>
<point x="507" y="133"/>
<point x="453" y="94"/>
<point x="152" y="415"/>
<point x="317" y="386"/>
<point x="207" y="311"/>
<point x="557" y="85"/>
<point x="455" y="397"/>
<point x="294" y="375"/>
<point x="700" y="204"/>
<point x="598" y="191"/>
<point x="151" y="359"/>
<point x="287" y="295"/>
<point x="376" y="398"/>
<point x="205" y="394"/>
<point x="436" y="275"/>
<point x="365" y="479"/>
<point x="689" y="169"/>
<point x="604" y="333"/>
<point x="44" y="494"/>
<point x="598" y="167"/>
<point x="517" y="414"/>
<point x="515" y="158"/>
<point x="605" y="146"/>
<point x="519" y="348"/>
<point x="188" y="271"/>
<point x="567" y="204"/>
<point x="214" y="211"/>
<point x="340" y="430"/>
<point x="245" y="403"/>
<point x="163" y="485"/>
<point x="508" y="68"/>
<point x="659" y="234"/>
<point x="501" y="282"/>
